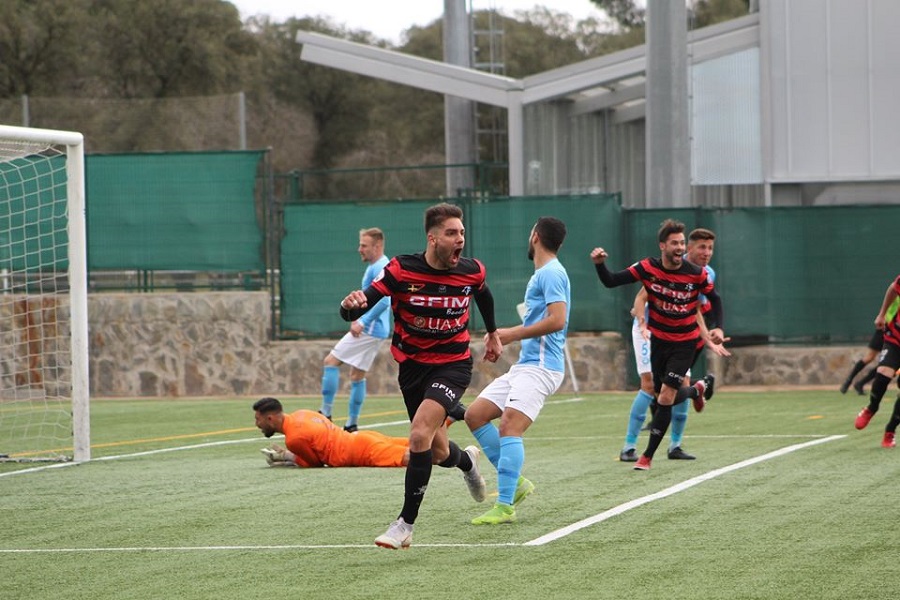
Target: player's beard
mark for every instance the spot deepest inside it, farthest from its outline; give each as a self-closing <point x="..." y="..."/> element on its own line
<point x="674" y="259"/>
<point x="448" y="258"/>
<point x="530" y="250"/>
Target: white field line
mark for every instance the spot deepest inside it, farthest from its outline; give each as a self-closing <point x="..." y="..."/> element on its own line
<point x="239" y="548"/>
<point x="209" y="445"/>
<point x="680" y="487"/>
<point x="544" y="539"/>
<point x="165" y="450"/>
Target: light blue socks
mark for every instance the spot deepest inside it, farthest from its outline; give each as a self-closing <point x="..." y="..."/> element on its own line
<point x="512" y="457"/>
<point x="357" y="397"/>
<point x="679" y="421"/>
<point x="488" y="437"/>
<point x="330" y="378"/>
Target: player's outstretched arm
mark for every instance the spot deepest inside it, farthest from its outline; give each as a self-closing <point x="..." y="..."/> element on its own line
<point x="598" y="256"/>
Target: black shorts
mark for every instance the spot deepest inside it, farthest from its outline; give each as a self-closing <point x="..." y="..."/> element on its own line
<point x="444" y="383"/>
<point x="669" y="361"/>
<point x="877" y="340"/>
<point x="889" y="356"/>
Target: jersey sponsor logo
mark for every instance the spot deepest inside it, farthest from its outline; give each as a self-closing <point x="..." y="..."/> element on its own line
<point x="467" y="290"/>
<point x="440" y="301"/>
<point x="438" y="324"/>
<point x="412" y="288"/>
<point x="663" y="291"/>
<point x="670" y="307"/>
<point x="445" y="390"/>
<point x="675" y="376"/>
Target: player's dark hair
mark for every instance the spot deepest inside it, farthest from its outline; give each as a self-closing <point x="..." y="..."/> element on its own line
<point x="551" y="231"/>
<point x="267" y="405"/>
<point x="701" y="234"/>
<point x="439" y="213"/>
<point x="668" y="227"/>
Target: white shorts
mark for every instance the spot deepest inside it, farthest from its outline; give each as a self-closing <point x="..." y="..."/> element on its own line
<point x="359" y="351"/>
<point x="641" y="349"/>
<point x="523" y="388"/>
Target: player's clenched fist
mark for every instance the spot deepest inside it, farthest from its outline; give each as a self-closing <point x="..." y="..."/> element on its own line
<point x="598" y="255"/>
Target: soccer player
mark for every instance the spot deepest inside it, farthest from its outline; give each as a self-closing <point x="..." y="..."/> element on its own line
<point x="700" y="248"/>
<point x="314" y="441"/>
<point x="888" y="363"/>
<point x="359" y="346"/>
<point x="673" y="289"/>
<point x="516" y="398"/>
<point x="431" y="294"/>
<point x="872" y="350"/>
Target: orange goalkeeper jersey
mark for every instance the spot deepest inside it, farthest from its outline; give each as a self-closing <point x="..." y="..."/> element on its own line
<point x="317" y="442"/>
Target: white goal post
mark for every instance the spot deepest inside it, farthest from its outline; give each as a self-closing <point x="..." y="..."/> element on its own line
<point x="44" y="384"/>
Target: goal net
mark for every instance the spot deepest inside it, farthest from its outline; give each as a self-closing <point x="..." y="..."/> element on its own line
<point x="43" y="297"/>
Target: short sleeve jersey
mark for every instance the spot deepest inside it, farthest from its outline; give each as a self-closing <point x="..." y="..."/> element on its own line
<point x="430" y="307"/>
<point x="548" y="285"/>
<point x="377" y="321"/>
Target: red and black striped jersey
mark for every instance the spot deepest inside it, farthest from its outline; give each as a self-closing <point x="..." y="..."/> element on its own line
<point x="430" y="306"/>
<point x="892" y="327"/>
<point x="672" y="297"/>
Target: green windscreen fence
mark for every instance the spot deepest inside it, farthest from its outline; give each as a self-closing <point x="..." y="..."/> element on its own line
<point x="174" y="211"/>
<point x="804" y="274"/>
<point x="320" y="264"/>
<point x="797" y="274"/>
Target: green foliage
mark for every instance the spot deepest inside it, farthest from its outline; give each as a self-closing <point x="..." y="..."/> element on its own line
<point x="163" y="48"/>
<point x="37" y="43"/>
<point x="710" y="12"/>
<point x="214" y="522"/>
<point x="337" y="101"/>
<point x="540" y="41"/>
<point x="626" y="13"/>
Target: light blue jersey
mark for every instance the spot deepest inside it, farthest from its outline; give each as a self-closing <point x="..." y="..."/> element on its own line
<point x="377" y="321"/>
<point x="549" y="284"/>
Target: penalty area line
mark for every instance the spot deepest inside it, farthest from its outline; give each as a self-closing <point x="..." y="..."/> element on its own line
<point x="680" y="487"/>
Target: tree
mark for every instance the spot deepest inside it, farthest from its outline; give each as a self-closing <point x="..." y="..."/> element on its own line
<point x="38" y="46"/>
<point x="710" y="12"/>
<point x="337" y="101"/>
<point x="166" y="48"/>
<point x="628" y="15"/>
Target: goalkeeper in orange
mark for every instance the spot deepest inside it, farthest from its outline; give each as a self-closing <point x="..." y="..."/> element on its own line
<point x="312" y="440"/>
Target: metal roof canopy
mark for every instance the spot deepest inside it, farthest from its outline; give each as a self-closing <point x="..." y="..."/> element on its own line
<point x="614" y="81"/>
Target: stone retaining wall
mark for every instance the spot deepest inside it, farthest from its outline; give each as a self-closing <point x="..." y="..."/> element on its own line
<point x="216" y="344"/>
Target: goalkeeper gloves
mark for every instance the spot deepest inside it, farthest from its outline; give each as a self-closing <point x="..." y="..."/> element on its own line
<point x="276" y="456"/>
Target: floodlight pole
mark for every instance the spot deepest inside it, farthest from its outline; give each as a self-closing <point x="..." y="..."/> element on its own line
<point x="668" y="132"/>
<point x="459" y="113"/>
